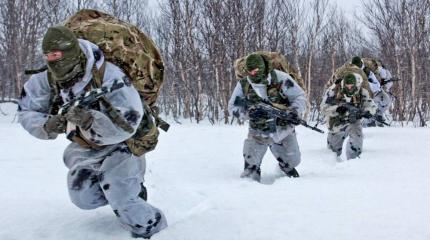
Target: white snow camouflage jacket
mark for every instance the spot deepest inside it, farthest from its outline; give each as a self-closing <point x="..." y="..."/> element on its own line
<point x="329" y="102"/>
<point x="294" y="93"/>
<point x="35" y="102"/>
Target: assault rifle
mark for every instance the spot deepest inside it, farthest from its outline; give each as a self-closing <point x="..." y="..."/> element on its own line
<point x="356" y="114"/>
<point x="383" y="82"/>
<point x="90" y="97"/>
<point x="267" y="107"/>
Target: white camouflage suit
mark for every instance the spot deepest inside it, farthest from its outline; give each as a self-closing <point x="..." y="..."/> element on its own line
<point x="283" y="142"/>
<point x="381" y="95"/>
<point x="112" y="175"/>
<point x="339" y="131"/>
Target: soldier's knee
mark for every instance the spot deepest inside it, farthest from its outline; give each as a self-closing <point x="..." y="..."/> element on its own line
<point x="121" y="196"/>
<point x="292" y="159"/>
<point x="295" y="159"/>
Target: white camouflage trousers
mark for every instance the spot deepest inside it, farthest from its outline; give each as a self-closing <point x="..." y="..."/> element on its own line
<point x="286" y="152"/>
<point x="383" y="101"/>
<point x="354" y="147"/>
<point x="112" y="176"/>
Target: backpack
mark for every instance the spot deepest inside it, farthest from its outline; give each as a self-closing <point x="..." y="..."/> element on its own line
<point x="372" y="64"/>
<point x="274" y="60"/>
<point x="136" y="54"/>
<point x="345" y="69"/>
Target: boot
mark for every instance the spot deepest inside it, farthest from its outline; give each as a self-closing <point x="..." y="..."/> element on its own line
<point x="290" y="172"/>
<point x="135" y="235"/>
<point x="143" y="193"/>
<point x="251" y="171"/>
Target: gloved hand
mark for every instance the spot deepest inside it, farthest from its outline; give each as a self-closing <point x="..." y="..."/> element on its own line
<point x="294" y="116"/>
<point x="80" y="116"/>
<point x="236" y="114"/>
<point x="379" y="118"/>
<point x="341" y="110"/>
<point x="257" y="113"/>
<point x="55" y="124"/>
<point x="367" y="115"/>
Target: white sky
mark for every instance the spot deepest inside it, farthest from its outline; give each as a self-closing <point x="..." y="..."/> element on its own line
<point x="349" y="6"/>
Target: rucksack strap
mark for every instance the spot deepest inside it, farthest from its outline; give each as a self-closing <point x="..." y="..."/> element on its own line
<point x="112" y="113"/>
<point x="55" y="100"/>
<point x="98" y="75"/>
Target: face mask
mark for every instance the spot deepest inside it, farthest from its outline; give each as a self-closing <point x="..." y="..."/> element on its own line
<point x="66" y="72"/>
<point x="259" y="77"/>
<point x="349" y="92"/>
<point x="69" y="65"/>
<point x="255" y="61"/>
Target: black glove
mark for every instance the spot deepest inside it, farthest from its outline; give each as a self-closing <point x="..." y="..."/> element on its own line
<point x="341" y="109"/>
<point x="55" y="124"/>
<point x="257" y="113"/>
<point x="367" y="115"/>
<point x="80" y="116"/>
<point x="379" y="118"/>
<point x="236" y="114"/>
<point x="294" y="116"/>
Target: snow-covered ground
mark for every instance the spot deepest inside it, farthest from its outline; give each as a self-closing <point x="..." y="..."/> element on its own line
<point x="193" y="175"/>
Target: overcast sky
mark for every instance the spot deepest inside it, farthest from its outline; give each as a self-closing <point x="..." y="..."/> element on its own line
<point x="347" y="5"/>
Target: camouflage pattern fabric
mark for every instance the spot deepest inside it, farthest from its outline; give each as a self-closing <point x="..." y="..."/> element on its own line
<point x="263" y="122"/>
<point x="333" y="98"/>
<point x="136" y="54"/>
<point x="275" y="60"/>
<point x="125" y="46"/>
<point x="71" y="66"/>
<point x="372" y="64"/>
<point x="354" y="144"/>
<point x="346" y="69"/>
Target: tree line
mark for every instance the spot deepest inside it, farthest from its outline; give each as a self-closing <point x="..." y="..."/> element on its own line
<point x="201" y="39"/>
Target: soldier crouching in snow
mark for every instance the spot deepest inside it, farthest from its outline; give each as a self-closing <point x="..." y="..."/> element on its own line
<point x="344" y="104"/>
<point x="102" y="168"/>
<point x="264" y="84"/>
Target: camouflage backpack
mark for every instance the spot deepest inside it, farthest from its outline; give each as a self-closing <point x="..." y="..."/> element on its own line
<point x="372" y="65"/>
<point x="345" y="69"/>
<point x="276" y="61"/>
<point x="136" y="54"/>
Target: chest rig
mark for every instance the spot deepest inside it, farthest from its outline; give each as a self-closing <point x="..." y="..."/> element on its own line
<point x="263" y="122"/>
<point x="356" y="101"/>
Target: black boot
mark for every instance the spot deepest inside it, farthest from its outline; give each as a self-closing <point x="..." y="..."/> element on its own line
<point x="135" y="235"/>
<point x="290" y="172"/>
<point x="251" y="171"/>
<point x="143" y="193"/>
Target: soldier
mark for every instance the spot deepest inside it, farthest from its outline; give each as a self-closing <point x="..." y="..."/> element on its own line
<point x="278" y="88"/>
<point x="102" y="169"/>
<point x="344" y="104"/>
<point x="375" y="75"/>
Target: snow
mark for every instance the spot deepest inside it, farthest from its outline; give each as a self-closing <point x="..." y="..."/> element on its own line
<point x="193" y="176"/>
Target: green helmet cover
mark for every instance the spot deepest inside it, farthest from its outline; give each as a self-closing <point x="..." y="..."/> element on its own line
<point x="357" y="61"/>
<point x="254" y="61"/>
<point x="349" y="79"/>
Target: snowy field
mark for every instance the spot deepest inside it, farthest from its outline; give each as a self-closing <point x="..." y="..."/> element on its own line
<point x="193" y="176"/>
